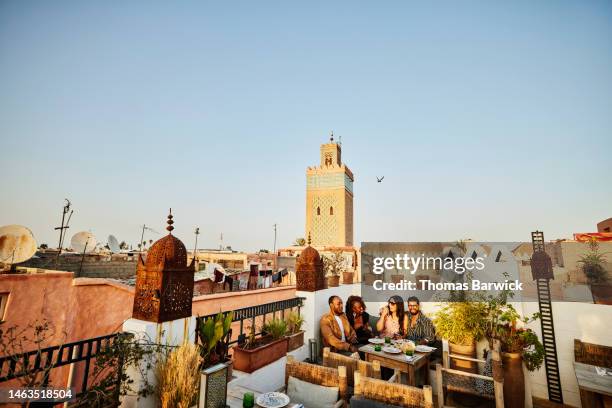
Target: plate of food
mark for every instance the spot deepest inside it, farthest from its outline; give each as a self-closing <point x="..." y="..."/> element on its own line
<point x="376" y="340"/>
<point x="272" y="400"/>
<point x="391" y="350"/>
<point x="424" y="349"/>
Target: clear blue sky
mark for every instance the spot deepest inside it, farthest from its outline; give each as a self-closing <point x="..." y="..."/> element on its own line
<point x="487" y="119"/>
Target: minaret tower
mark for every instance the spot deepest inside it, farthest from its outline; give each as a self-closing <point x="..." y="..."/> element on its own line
<point x="329" y="199"/>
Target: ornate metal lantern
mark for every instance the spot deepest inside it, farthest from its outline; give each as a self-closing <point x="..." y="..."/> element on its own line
<point x="164" y="282"/>
<point x="309" y="273"/>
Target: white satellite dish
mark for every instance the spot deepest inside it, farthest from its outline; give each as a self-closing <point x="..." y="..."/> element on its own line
<point x="83" y="242"/>
<point x="17" y="244"/>
<point x="113" y="244"/>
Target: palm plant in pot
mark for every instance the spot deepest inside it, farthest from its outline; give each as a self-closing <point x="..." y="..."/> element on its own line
<point x="215" y="366"/>
<point x="462" y="324"/>
<point x="295" y="334"/>
<point x="593" y="265"/>
<point x="254" y="353"/>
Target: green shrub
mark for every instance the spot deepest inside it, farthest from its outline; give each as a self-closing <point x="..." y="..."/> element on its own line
<point x="461" y="322"/>
<point x="276" y="328"/>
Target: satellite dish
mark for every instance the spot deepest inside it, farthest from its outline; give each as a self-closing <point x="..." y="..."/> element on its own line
<point x="113" y="244"/>
<point x="17" y="244"/>
<point x="83" y="242"/>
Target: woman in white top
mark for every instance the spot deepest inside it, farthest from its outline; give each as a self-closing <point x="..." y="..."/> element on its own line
<point x="393" y="321"/>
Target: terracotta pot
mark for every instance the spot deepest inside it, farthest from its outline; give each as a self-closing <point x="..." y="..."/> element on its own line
<point x="514" y="381"/>
<point x="397" y="278"/>
<point x="296" y="340"/>
<point x="269" y="351"/>
<point x="333" y="281"/>
<point x="347" y="277"/>
<point x="463" y="350"/>
<point x="602" y="293"/>
<point x="369" y="279"/>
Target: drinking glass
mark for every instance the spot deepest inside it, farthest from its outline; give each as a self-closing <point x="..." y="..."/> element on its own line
<point x="248" y="400"/>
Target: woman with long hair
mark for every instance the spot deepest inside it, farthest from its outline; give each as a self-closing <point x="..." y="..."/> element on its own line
<point x="393" y="320"/>
<point x="358" y="318"/>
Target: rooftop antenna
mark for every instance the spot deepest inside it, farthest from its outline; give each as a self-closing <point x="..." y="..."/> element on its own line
<point x="195" y="247"/>
<point x="340" y="140"/>
<point x="83" y="257"/>
<point x="64" y="227"/>
<point x="275" y="228"/>
<point x="17" y="244"/>
<point x="144" y="227"/>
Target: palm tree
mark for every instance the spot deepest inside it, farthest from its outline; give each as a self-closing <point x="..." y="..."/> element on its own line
<point x="299" y="242"/>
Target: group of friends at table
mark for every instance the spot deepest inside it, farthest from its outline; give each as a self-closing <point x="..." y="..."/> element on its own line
<point x="345" y="329"/>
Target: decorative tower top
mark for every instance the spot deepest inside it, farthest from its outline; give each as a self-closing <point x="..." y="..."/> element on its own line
<point x="309" y="240"/>
<point x="331" y="153"/>
<point x="169" y="228"/>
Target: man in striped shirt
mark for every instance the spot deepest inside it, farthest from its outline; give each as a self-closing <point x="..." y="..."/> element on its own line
<point x="420" y="328"/>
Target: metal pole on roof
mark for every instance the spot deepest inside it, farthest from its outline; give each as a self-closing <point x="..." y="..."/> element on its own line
<point x="195" y="247"/>
<point x="274" y="238"/>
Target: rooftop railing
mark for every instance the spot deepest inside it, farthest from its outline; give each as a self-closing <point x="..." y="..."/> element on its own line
<point x="251" y="314"/>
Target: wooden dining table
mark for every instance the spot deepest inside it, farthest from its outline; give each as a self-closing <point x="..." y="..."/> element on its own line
<point x="409" y="365"/>
<point x="595" y="388"/>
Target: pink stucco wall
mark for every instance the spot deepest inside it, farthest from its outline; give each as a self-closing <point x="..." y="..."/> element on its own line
<point x="83" y="308"/>
<point x="77" y="308"/>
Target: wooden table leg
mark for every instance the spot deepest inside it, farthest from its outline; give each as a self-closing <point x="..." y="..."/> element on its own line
<point x="590" y="399"/>
<point x="411" y="375"/>
<point x="425" y="373"/>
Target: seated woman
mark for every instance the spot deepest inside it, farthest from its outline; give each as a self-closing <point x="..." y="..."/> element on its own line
<point x="393" y="321"/>
<point x="359" y="318"/>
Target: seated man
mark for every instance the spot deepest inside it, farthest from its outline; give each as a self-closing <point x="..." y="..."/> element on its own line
<point x="336" y="330"/>
<point x="420" y="328"/>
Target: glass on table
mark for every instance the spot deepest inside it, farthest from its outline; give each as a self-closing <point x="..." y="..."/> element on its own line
<point x="248" y="400"/>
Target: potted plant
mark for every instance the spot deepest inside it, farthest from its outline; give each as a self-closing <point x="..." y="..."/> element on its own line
<point x="347" y="277"/>
<point x="334" y="266"/>
<point x="176" y="373"/>
<point x="255" y="352"/>
<point x="369" y="279"/>
<point x="462" y="324"/>
<point x="215" y="366"/>
<point x="295" y="334"/>
<point x="593" y="266"/>
<point x="518" y="345"/>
